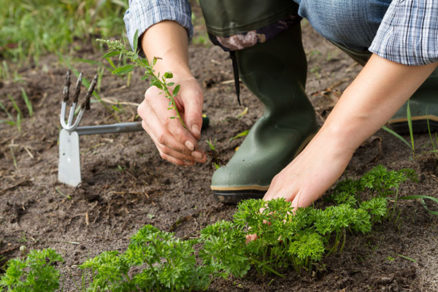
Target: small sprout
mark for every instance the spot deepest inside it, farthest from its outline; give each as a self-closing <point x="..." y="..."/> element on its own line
<point x="241" y="134"/>
<point x="390" y="258"/>
<point x="211" y="144"/>
<point x="243" y="113"/>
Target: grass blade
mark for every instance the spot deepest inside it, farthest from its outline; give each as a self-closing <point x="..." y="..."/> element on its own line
<point x="27" y="102"/>
<point x="422" y="198"/>
<point x="397" y="136"/>
<point x="411" y="131"/>
<point x="241" y="134"/>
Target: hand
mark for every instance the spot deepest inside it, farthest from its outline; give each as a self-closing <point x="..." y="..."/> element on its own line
<point x="174" y="142"/>
<point x="312" y="172"/>
<point x="374" y="96"/>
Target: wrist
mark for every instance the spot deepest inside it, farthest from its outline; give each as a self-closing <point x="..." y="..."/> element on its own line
<point x="340" y="136"/>
<point x="179" y="71"/>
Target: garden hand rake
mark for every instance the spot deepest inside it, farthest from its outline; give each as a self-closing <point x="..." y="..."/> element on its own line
<point x="69" y="165"/>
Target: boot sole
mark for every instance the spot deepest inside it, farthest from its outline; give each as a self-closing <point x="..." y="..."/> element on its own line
<point x="419" y="125"/>
<point x="235" y="196"/>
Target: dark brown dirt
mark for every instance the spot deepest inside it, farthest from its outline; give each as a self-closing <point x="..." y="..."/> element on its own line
<point x="126" y="184"/>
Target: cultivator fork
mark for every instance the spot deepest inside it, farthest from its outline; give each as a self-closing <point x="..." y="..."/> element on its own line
<point x="69" y="166"/>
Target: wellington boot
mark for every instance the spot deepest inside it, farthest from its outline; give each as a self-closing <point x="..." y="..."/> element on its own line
<point x="275" y="72"/>
<point x="423" y="105"/>
<point x="423" y="108"/>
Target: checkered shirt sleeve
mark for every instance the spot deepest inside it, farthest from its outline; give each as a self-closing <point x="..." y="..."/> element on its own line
<point x="142" y="14"/>
<point x="408" y="33"/>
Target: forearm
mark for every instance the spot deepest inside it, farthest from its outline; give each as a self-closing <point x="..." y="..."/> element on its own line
<point x="375" y="95"/>
<point x="168" y="41"/>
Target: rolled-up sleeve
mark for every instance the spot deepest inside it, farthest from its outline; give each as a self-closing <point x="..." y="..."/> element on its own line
<point x="142" y="14"/>
<point x="408" y="33"/>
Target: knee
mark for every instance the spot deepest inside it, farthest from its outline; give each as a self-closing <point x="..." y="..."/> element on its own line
<point x="353" y="23"/>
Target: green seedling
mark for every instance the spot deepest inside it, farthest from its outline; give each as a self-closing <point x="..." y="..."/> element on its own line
<point x="211" y="144"/>
<point x="36" y="273"/>
<point x="282" y="238"/>
<point x="117" y="49"/>
<point x="243" y="113"/>
<point x="224" y="249"/>
<point x="160" y="261"/>
<point x="240" y="135"/>
<point x="433" y="139"/>
<point x="407" y="258"/>
<point x="27" y="102"/>
<point x="4" y="71"/>
<point x="16" y="122"/>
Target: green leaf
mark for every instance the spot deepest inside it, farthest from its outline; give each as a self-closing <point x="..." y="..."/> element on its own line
<point x="135" y="44"/>
<point x="397" y="136"/>
<point x="241" y="134"/>
<point x="111" y="54"/>
<point x="411" y="131"/>
<point x="157" y="84"/>
<point x="176" y="90"/>
<point x="124" y="69"/>
<point x="111" y="63"/>
<point x="27" y="102"/>
<point x="168" y="75"/>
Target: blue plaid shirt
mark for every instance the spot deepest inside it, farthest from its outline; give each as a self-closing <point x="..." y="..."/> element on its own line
<point x="408" y="33"/>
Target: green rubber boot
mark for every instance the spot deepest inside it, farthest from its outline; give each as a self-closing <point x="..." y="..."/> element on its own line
<point x="275" y="72"/>
<point x="423" y="105"/>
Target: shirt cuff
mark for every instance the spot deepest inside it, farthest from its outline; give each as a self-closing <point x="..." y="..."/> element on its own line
<point x="408" y="33"/>
<point x="140" y="16"/>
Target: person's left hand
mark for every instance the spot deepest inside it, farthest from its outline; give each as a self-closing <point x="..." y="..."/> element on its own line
<point x="312" y="172"/>
<point x="374" y="96"/>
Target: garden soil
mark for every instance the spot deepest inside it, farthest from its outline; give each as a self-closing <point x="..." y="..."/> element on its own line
<point x="127" y="185"/>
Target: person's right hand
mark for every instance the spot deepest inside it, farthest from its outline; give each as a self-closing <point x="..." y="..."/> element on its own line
<point x="175" y="143"/>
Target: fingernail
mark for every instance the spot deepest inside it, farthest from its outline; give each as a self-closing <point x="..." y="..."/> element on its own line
<point x="195" y="130"/>
<point x="190" y="145"/>
<point x="197" y="155"/>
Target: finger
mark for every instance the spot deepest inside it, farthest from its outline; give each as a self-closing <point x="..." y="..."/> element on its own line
<point x="301" y="201"/>
<point x="167" y="118"/>
<point x="250" y="237"/>
<point x="193" y="100"/>
<point x="161" y="141"/>
<point x="177" y="155"/>
<point x="165" y="145"/>
<point x="157" y="131"/>
<point x="172" y="159"/>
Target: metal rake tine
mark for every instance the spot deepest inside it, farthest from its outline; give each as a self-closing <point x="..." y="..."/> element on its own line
<point x="66" y="91"/>
<point x="86" y="104"/>
<point x="75" y="100"/>
<point x="77" y="89"/>
<point x="65" y="97"/>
